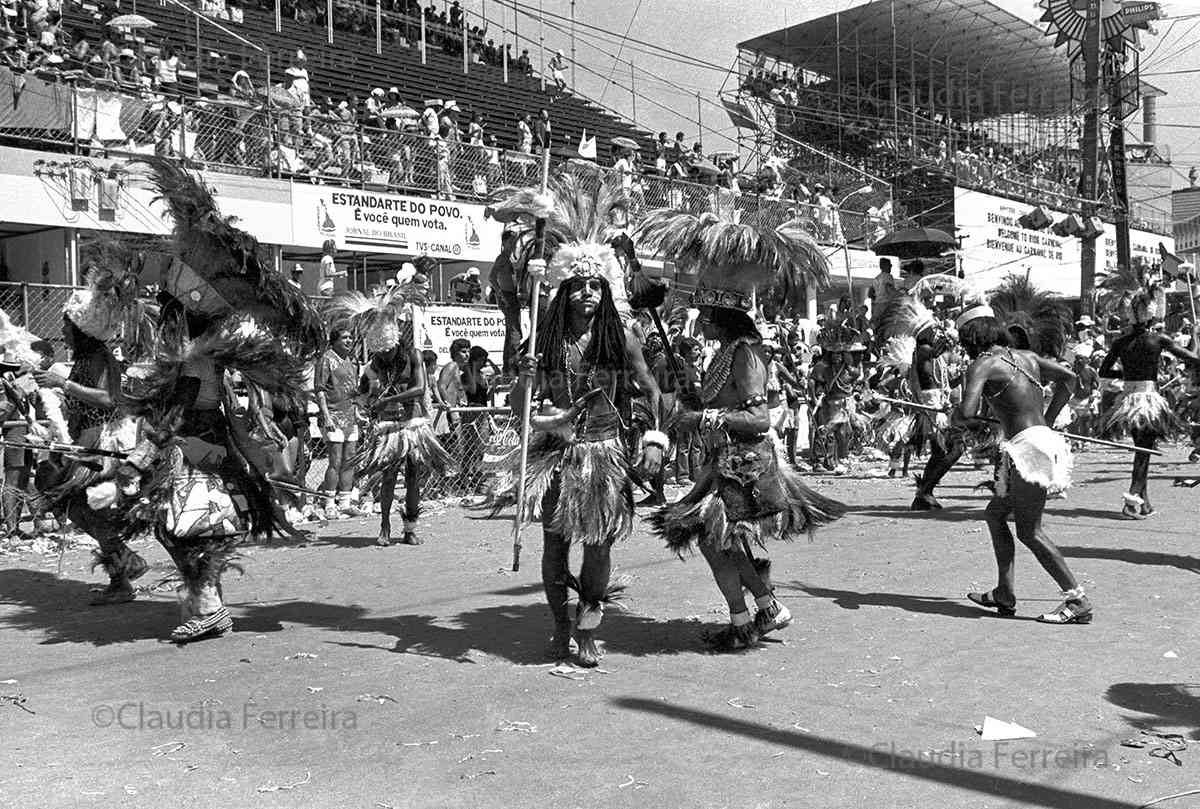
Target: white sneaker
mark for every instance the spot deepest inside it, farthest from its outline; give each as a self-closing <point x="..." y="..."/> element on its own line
<point x="774" y="617"/>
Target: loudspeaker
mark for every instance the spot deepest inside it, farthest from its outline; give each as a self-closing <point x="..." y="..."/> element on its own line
<point x="1035" y="219"/>
<point x="1070" y="226"/>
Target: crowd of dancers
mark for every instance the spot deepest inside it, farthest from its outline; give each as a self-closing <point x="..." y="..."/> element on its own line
<point x="160" y="443"/>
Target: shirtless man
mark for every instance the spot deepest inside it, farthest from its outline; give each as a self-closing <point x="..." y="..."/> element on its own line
<point x="1035" y="460"/>
<point x="1141" y="410"/>
<point x="927" y="377"/>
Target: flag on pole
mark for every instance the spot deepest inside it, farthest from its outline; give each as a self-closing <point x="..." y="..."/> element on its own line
<point x="1173" y="267"/>
<point x="587" y="146"/>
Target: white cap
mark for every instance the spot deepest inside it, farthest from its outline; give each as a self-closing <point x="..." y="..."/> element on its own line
<point x="378" y="91"/>
<point x="298" y="268"/>
<point x="473" y="271"/>
<point x="127" y="52"/>
<point x="325" y="287"/>
<point x="450" y="105"/>
<point x="300" y="56"/>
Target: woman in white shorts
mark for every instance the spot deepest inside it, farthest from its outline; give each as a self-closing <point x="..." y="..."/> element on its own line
<point x="337" y="383"/>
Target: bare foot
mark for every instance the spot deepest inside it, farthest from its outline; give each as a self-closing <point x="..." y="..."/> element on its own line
<point x="411" y="538"/>
<point x="588" y="656"/>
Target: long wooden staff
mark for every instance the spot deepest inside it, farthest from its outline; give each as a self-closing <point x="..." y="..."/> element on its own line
<point x="539" y="248"/>
<point x="1073" y="436"/>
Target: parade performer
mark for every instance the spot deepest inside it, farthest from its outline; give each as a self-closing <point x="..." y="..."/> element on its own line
<point x="897" y="425"/>
<point x="589" y="378"/>
<point x="746" y="491"/>
<point x="401" y="437"/>
<point x="836" y="378"/>
<point x="1035" y="460"/>
<point x="905" y="316"/>
<point x="195" y="478"/>
<point x="1141" y="411"/>
<point x="105" y="311"/>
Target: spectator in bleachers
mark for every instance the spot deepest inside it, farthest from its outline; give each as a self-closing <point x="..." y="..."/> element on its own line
<point x="558" y="66"/>
<point x="465" y="287"/>
<point x="445" y="174"/>
<point x="430" y="119"/>
<point x="524" y="134"/>
<point x="456" y="15"/>
<point x="448" y="121"/>
<point x="543" y="134"/>
<point x="524" y="65"/>
<point x="166" y="71"/>
<point x="300" y="85"/>
<point x="12" y="55"/>
<point x="241" y="87"/>
<point x="661" y="149"/>
<point x="374" y="108"/>
<point x="491" y="54"/>
<point x="623" y="167"/>
<point x="127" y="73"/>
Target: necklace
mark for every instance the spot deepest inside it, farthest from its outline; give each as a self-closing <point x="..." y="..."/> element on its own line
<point x="720" y="368"/>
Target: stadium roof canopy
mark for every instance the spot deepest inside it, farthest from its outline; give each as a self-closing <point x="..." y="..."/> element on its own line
<point x="972" y="58"/>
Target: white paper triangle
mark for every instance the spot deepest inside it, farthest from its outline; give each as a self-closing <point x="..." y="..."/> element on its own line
<point x="996" y="730"/>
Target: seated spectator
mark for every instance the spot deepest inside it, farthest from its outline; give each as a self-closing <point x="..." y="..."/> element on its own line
<point x="524" y="65"/>
<point x="525" y="134"/>
<point x="241" y="87"/>
<point x="465" y="287"/>
<point x="126" y="72"/>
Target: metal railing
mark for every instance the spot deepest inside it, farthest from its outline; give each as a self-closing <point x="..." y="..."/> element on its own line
<point x="249" y="138"/>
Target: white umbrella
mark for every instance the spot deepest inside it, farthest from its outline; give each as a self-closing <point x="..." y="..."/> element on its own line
<point x="130" y="21"/>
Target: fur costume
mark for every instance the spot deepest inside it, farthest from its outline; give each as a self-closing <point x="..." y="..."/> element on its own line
<point x="746" y="490"/>
<point x="1040" y="456"/>
<point x="204" y="483"/>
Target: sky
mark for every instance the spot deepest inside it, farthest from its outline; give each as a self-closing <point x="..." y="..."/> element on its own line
<point x="709" y="30"/>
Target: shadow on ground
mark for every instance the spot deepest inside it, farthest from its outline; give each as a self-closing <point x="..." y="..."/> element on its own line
<point x="1134" y="557"/>
<point x="59" y="608"/>
<point x="513" y="632"/>
<point x="983" y="780"/>
<point x="1164" y="706"/>
<point x="852" y="600"/>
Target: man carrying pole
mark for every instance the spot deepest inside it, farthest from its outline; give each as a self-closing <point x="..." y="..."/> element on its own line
<point x="575" y="396"/>
<point x="1035" y="460"/>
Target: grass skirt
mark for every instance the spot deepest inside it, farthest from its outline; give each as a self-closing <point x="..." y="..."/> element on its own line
<point x="746" y="491"/>
<point x="1040" y="456"/>
<point x="1141" y="409"/>
<point x="391" y="443"/>
<point x="585" y="482"/>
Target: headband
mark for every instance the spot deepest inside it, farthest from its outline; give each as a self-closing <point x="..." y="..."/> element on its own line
<point x="974" y="313"/>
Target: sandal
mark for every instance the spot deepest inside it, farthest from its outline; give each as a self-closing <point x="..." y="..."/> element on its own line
<point x="1068" y="613"/>
<point x="988" y="601"/>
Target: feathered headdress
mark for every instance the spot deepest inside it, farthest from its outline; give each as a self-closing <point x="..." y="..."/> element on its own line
<point x="580" y="214"/>
<point x="220" y="268"/>
<point x="735" y="262"/>
<point x="1132" y="293"/>
<point x="1039" y="321"/>
<point x="376" y="322"/>
<point x="108" y="307"/>
<point x="902" y="318"/>
<point x="16" y="343"/>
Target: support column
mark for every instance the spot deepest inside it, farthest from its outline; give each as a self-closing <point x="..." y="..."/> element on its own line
<point x="71" y="255"/>
<point x="1091" y="151"/>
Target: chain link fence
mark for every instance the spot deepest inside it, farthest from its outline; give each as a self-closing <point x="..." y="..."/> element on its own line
<point x="237" y="136"/>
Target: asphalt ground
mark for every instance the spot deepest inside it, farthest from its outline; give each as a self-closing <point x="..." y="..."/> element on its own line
<point x="359" y="676"/>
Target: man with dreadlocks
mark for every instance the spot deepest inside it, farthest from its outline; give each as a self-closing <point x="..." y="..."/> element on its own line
<point x="586" y="375"/>
<point x="746" y="491"/>
<point x="1141" y="411"/>
<point x="1035" y="460"/>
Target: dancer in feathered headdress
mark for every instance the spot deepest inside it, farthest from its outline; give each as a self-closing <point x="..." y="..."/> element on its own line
<point x="195" y="476"/>
<point x="401" y="437"/>
<point x="94" y="319"/>
<point x="907" y="326"/>
<point x="1140" y="411"/>
<point x="746" y="491"/>
<point x="587" y="375"/>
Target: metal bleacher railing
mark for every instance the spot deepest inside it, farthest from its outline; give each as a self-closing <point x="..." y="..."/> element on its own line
<point x="247" y="138"/>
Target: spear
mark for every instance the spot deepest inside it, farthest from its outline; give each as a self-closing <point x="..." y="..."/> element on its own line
<point x="1073" y="436"/>
<point x="534" y="301"/>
